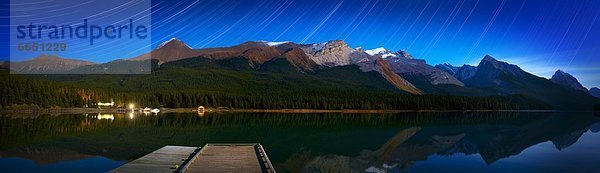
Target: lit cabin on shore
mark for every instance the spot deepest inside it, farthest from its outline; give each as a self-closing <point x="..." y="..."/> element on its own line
<point x="111" y="104"/>
<point x="201" y="109"/>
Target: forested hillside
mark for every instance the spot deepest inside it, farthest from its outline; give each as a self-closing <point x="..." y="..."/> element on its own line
<point x="236" y="84"/>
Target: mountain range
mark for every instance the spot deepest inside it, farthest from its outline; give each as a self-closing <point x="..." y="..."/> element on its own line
<point x="322" y="62"/>
<point x="502" y="78"/>
<point x="45" y="64"/>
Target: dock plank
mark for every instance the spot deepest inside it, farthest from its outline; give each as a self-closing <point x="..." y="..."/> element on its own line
<point x="210" y="158"/>
<point x="161" y="160"/>
<point x="225" y="158"/>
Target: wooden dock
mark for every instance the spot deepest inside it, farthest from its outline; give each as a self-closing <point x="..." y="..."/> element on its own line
<point x="166" y="159"/>
<point x="209" y="158"/>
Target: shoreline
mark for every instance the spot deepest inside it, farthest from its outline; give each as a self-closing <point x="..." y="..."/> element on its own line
<point x="222" y="110"/>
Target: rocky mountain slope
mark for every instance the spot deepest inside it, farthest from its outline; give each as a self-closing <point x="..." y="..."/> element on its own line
<point x="47" y="64"/>
<point x="309" y="57"/>
<point x="565" y="79"/>
<point x="461" y="73"/>
<point x="319" y="55"/>
<point x="332" y="54"/>
<point x="490" y="72"/>
<point x="405" y="65"/>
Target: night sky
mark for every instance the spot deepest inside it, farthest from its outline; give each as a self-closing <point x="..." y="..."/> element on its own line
<point x="541" y="36"/>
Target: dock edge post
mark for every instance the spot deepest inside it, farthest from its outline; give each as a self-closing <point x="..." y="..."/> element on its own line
<point x="188" y="161"/>
<point x="265" y="159"/>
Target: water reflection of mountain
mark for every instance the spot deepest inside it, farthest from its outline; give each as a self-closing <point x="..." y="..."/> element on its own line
<point x="297" y="142"/>
<point x="492" y="142"/>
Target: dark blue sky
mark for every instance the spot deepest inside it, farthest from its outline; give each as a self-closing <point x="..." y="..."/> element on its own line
<point x="541" y="36"/>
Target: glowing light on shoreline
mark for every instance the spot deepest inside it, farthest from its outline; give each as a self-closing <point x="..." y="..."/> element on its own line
<point x="105" y="117"/>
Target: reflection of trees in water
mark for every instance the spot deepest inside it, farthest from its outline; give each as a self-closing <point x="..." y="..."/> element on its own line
<point x="343" y="120"/>
<point x="20" y="131"/>
<point x="368" y="139"/>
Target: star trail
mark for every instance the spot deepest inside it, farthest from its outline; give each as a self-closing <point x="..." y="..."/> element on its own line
<point x="541" y="36"/>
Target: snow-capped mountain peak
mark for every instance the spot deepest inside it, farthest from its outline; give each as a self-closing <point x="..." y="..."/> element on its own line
<point x="383" y="52"/>
<point x="170" y="41"/>
<point x="377" y="51"/>
<point x="271" y="43"/>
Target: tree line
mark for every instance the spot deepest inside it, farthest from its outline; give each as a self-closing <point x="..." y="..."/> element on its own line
<point x="18" y="90"/>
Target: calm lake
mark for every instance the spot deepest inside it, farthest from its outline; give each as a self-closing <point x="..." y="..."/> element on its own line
<point x="407" y="142"/>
